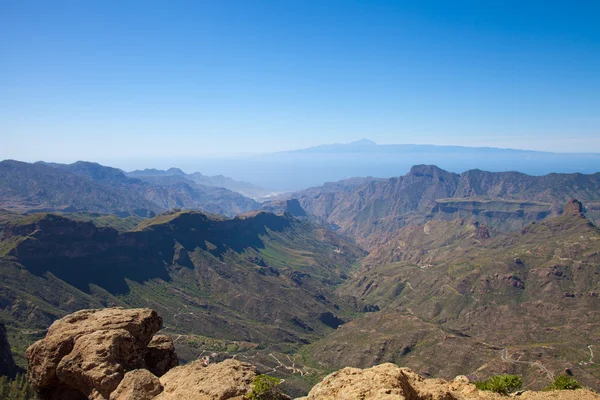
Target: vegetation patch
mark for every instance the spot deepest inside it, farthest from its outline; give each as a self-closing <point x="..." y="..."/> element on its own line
<point x="564" y="382"/>
<point x="265" y="387"/>
<point x="502" y="384"/>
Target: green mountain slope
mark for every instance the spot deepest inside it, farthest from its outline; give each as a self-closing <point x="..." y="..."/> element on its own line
<point x="258" y="278"/>
<point x="455" y="301"/>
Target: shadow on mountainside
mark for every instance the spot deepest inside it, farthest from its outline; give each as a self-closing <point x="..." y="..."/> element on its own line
<point x="82" y="254"/>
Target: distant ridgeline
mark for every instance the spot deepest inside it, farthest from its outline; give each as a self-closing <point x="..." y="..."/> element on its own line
<point x="365" y="208"/>
<point x="93" y="188"/>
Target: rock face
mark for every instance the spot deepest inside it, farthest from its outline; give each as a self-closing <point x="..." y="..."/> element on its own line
<point x="226" y="380"/>
<point x="88" y="353"/>
<point x="388" y="381"/>
<point x="7" y="363"/>
<point x="139" y="384"/>
<point x="385" y="381"/>
<point x="113" y="354"/>
<point x="573" y="207"/>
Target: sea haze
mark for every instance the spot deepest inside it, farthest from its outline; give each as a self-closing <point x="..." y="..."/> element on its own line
<point x="298" y="169"/>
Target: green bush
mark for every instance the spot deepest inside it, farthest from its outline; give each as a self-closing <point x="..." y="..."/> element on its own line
<point x="265" y="387"/>
<point x="503" y="384"/>
<point x="564" y="382"/>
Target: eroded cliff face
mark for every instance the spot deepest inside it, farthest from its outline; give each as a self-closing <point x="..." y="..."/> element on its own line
<point x="7" y="364"/>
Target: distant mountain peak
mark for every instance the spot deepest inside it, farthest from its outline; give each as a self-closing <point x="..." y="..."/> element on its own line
<point x="175" y="171"/>
<point x="363" y="142"/>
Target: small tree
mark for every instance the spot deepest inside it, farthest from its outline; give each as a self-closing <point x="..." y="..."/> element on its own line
<point x="503" y="384"/>
<point x="564" y="382"/>
<point x="265" y="387"/>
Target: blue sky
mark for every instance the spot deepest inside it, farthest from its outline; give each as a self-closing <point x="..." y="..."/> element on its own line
<point x="111" y="80"/>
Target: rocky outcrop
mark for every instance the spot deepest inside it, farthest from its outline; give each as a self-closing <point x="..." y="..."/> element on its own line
<point x="113" y="354"/>
<point x="573" y="207"/>
<point x="139" y="384"/>
<point x="226" y="380"/>
<point x="88" y="353"/>
<point x="7" y="363"/>
<point x="385" y="381"/>
<point x="388" y="381"/>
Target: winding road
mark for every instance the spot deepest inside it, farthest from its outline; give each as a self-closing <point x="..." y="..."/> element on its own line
<point x="538" y="364"/>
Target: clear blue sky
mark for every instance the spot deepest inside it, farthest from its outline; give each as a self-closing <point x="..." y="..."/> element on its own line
<point x="113" y="79"/>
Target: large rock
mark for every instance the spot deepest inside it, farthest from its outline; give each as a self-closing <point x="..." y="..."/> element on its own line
<point x="139" y="384"/>
<point x="229" y="379"/>
<point x="573" y="207"/>
<point x="86" y="354"/>
<point x="99" y="361"/>
<point x="388" y="381"/>
<point x="7" y="363"/>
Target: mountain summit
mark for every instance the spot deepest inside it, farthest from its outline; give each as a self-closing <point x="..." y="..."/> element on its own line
<point x="363" y="142"/>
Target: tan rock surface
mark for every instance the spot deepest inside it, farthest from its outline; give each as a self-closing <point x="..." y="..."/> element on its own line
<point x="86" y="354"/>
<point x="226" y="380"/>
<point x="139" y="384"/>
<point x="388" y="381"/>
<point x="385" y="381"/>
<point x="99" y="361"/>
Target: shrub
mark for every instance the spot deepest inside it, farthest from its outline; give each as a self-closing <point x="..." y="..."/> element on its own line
<point x="503" y="384"/>
<point x="564" y="382"/>
<point x="265" y="387"/>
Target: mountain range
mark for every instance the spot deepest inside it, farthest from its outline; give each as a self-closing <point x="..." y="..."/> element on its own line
<point x="477" y="273"/>
<point x="175" y="175"/>
<point x="91" y="187"/>
<point x="365" y="208"/>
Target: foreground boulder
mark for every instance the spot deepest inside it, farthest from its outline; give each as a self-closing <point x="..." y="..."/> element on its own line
<point x="385" y="381"/>
<point x="86" y="354"/>
<point x="139" y="384"/>
<point x="113" y="354"/>
<point x="390" y="382"/>
<point x="226" y="380"/>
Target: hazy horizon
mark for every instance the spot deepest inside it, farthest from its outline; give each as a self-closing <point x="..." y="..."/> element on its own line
<point x="148" y="80"/>
<point x="302" y="168"/>
<point x="139" y="163"/>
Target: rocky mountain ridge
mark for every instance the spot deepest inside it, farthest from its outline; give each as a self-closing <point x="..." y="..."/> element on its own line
<point x="91" y="187"/>
<point x="176" y="174"/>
<point x="506" y="200"/>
